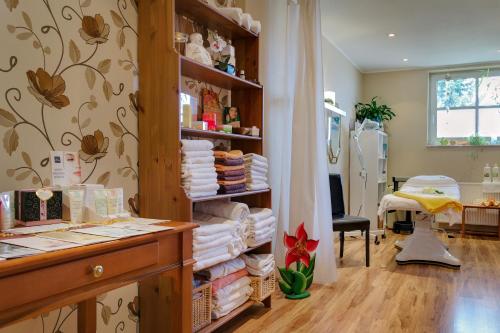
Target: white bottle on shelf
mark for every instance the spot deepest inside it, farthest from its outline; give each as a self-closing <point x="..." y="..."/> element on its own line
<point x="495" y="177"/>
<point x="487" y="173"/>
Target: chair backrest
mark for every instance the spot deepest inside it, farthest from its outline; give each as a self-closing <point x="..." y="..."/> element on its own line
<point x="336" y="196"/>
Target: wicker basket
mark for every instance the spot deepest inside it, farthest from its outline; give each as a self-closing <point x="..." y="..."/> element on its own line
<point x="263" y="286"/>
<point x="202" y="307"/>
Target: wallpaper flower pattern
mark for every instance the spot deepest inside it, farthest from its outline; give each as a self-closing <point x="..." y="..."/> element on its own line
<point x="68" y="81"/>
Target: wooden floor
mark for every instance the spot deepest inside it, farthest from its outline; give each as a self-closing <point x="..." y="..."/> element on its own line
<point x="391" y="298"/>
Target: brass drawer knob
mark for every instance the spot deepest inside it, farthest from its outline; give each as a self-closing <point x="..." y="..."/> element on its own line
<point x="98" y="271"/>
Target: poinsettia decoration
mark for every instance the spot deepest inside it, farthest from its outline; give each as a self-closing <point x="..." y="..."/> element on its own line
<point x="295" y="282"/>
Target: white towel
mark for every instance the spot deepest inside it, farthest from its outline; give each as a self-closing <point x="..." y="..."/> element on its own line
<point x="213" y="244"/>
<point x="257" y="261"/>
<point x="198" y="160"/>
<point x="198" y="167"/>
<point x="263" y="271"/>
<point x="231" y="288"/>
<point x="209" y="253"/>
<point x="256" y="163"/>
<point x="219" y="303"/>
<point x="201" y="194"/>
<point x="201" y="188"/>
<point x="198" y="181"/>
<point x="199" y="239"/>
<point x="224" y="310"/>
<point x="198" y="174"/>
<point x="259" y="214"/>
<point x="256" y="27"/>
<point x="252" y="226"/>
<point x="234" y="13"/>
<point x="211" y="261"/>
<point x="246" y="21"/>
<point x="255" y="169"/>
<point x="212" y="229"/>
<point x="255" y="178"/>
<point x="235" y="211"/>
<point x="257" y="187"/>
<point x="254" y="243"/>
<point x="261" y="232"/>
<point x="223" y="269"/>
<point x="201" y="153"/>
<point x="253" y="156"/>
<point x="261" y="238"/>
<point x="196" y="145"/>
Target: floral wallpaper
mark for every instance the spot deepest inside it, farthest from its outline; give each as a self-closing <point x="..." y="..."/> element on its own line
<point x="68" y="81"/>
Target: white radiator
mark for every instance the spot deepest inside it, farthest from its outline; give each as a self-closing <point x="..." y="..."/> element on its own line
<point x="471" y="192"/>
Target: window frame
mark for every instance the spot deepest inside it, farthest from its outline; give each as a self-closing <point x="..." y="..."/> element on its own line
<point x="432" y="109"/>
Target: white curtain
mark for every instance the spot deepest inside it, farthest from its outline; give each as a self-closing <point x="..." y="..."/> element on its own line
<point x="292" y="74"/>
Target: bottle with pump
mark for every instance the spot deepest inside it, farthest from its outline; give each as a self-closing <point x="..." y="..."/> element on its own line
<point x="487" y="173"/>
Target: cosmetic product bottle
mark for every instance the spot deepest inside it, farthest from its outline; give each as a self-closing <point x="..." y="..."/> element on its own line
<point x="487" y="173"/>
<point x="495" y="174"/>
<point x="76" y="205"/>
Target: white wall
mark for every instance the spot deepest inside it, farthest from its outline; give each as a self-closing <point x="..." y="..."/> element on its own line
<point x="341" y="76"/>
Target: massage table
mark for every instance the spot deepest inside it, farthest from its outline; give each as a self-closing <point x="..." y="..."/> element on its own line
<point x="423" y="247"/>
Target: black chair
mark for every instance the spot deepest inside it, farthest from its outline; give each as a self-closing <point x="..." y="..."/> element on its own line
<point x="342" y="222"/>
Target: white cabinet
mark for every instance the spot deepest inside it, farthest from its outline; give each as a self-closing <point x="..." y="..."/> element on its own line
<point x="374" y="145"/>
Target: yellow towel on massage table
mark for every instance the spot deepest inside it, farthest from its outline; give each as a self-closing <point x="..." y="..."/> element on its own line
<point x="432" y="203"/>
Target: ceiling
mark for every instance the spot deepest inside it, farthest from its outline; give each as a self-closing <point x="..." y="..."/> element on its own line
<point x="429" y="33"/>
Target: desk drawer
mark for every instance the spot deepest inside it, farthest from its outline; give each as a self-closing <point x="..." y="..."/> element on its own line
<point x="30" y="286"/>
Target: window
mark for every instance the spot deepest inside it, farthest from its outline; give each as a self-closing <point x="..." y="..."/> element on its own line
<point x="464" y="108"/>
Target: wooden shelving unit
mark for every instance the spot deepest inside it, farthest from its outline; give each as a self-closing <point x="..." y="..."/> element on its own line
<point x="160" y="191"/>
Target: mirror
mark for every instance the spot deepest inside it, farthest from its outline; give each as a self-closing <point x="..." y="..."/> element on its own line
<point x="334" y="123"/>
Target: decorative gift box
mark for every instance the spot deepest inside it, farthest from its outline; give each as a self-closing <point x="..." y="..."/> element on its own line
<point x="31" y="210"/>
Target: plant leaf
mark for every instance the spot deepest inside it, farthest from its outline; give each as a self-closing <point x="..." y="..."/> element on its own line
<point x="106" y="314"/>
<point x="10" y="141"/>
<point x="35" y="180"/>
<point x="26" y="158"/>
<point x="11" y="172"/>
<point x="127" y="173"/>
<point x="90" y="77"/>
<point x="11" y="4"/>
<point x="129" y="54"/>
<point x="107" y="89"/>
<point x="117" y="19"/>
<point x="121" y="39"/>
<point x="85" y="123"/>
<point x="104" y="66"/>
<point x="104" y="178"/>
<point x="116" y="129"/>
<point x="85" y="4"/>
<point x="11" y="28"/>
<point x="74" y="52"/>
<point x="129" y="160"/>
<point x="24" y="35"/>
<point x="23" y="175"/>
<point x="120" y="147"/>
<point x="7" y="119"/>
<point x="27" y="20"/>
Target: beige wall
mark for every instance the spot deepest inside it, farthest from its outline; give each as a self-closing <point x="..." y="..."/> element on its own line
<point x="341" y="76"/>
<point x="406" y="92"/>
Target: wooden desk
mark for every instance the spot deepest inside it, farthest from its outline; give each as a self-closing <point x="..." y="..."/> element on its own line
<point x="162" y="263"/>
<point x="469" y="206"/>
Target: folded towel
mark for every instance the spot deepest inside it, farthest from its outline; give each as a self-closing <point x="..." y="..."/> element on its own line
<point x="201" y="188"/>
<point x="256" y="178"/>
<point x="234" y="13"/>
<point x="257" y="187"/>
<point x="269" y="222"/>
<point x="212" y="229"/>
<point x="261" y="237"/>
<point x="231" y="288"/>
<point x="255" y="169"/>
<point x="257" y="261"/>
<point x="202" y="153"/>
<point x="198" y="174"/>
<point x="256" y="163"/>
<point x="211" y="261"/>
<point x="209" y="253"/>
<point x="235" y="211"/>
<point x="218" y="313"/>
<point x="259" y="214"/>
<point x="261" y="232"/>
<point x="246" y="21"/>
<point x="254" y="243"/>
<point x="223" y="269"/>
<point x="261" y="272"/>
<point x="213" y="244"/>
<point x="196" y="145"/>
<point x="225" y="173"/>
<point x="231" y="182"/>
<point x="256" y="27"/>
<point x="229" y="161"/>
<point x="233" y="187"/>
<point x="227" y="280"/>
<point x="224" y="190"/>
<point x="197" y="182"/>
<point x="220" y="303"/>
<point x="201" y="194"/>
<point x="221" y="177"/>
<point x="233" y="154"/>
<point x="252" y="156"/>
<point x="219" y="167"/>
<point x="199" y="239"/>
<point x="200" y="166"/>
<point x="198" y="160"/>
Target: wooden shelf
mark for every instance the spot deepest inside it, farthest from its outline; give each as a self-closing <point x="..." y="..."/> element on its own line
<point x="221" y="321"/>
<point x="224" y="196"/>
<point x="201" y="72"/>
<point x="201" y="13"/>
<point x="217" y="135"/>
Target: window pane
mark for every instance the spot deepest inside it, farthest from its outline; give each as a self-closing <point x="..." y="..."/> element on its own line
<point x="455" y="123"/>
<point x="489" y="122"/>
<point x="456" y="93"/>
<point x="489" y="91"/>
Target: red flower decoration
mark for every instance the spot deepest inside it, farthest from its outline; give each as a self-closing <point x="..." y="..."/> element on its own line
<point x="299" y="247"/>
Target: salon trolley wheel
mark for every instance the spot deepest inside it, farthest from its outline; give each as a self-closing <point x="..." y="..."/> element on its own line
<point x="377" y="241"/>
<point x="384" y="236"/>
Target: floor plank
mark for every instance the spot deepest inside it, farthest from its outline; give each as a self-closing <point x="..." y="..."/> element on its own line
<point x="391" y="298"/>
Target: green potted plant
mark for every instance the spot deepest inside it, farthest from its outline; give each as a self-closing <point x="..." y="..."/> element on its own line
<point x="373" y="111"/>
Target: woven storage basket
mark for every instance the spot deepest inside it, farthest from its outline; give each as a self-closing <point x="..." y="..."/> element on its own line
<point x="263" y="286"/>
<point x="202" y="307"/>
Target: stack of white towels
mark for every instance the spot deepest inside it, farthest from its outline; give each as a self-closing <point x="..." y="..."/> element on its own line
<point x="259" y="264"/>
<point x="261" y="226"/>
<point x="211" y="244"/>
<point x="256" y="168"/>
<point x="225" y="212"/>
<point x="198" y="176"/>
<point x="243" y="19"/>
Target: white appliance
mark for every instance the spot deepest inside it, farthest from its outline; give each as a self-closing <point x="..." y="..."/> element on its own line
<point x="368" y="182"/>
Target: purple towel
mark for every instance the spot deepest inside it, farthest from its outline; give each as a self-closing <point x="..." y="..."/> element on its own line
<point x="231" y="173"/>
<point x="230" y="178"/>
<point x="229" y="162"/>
<point x="230" y="189"/>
